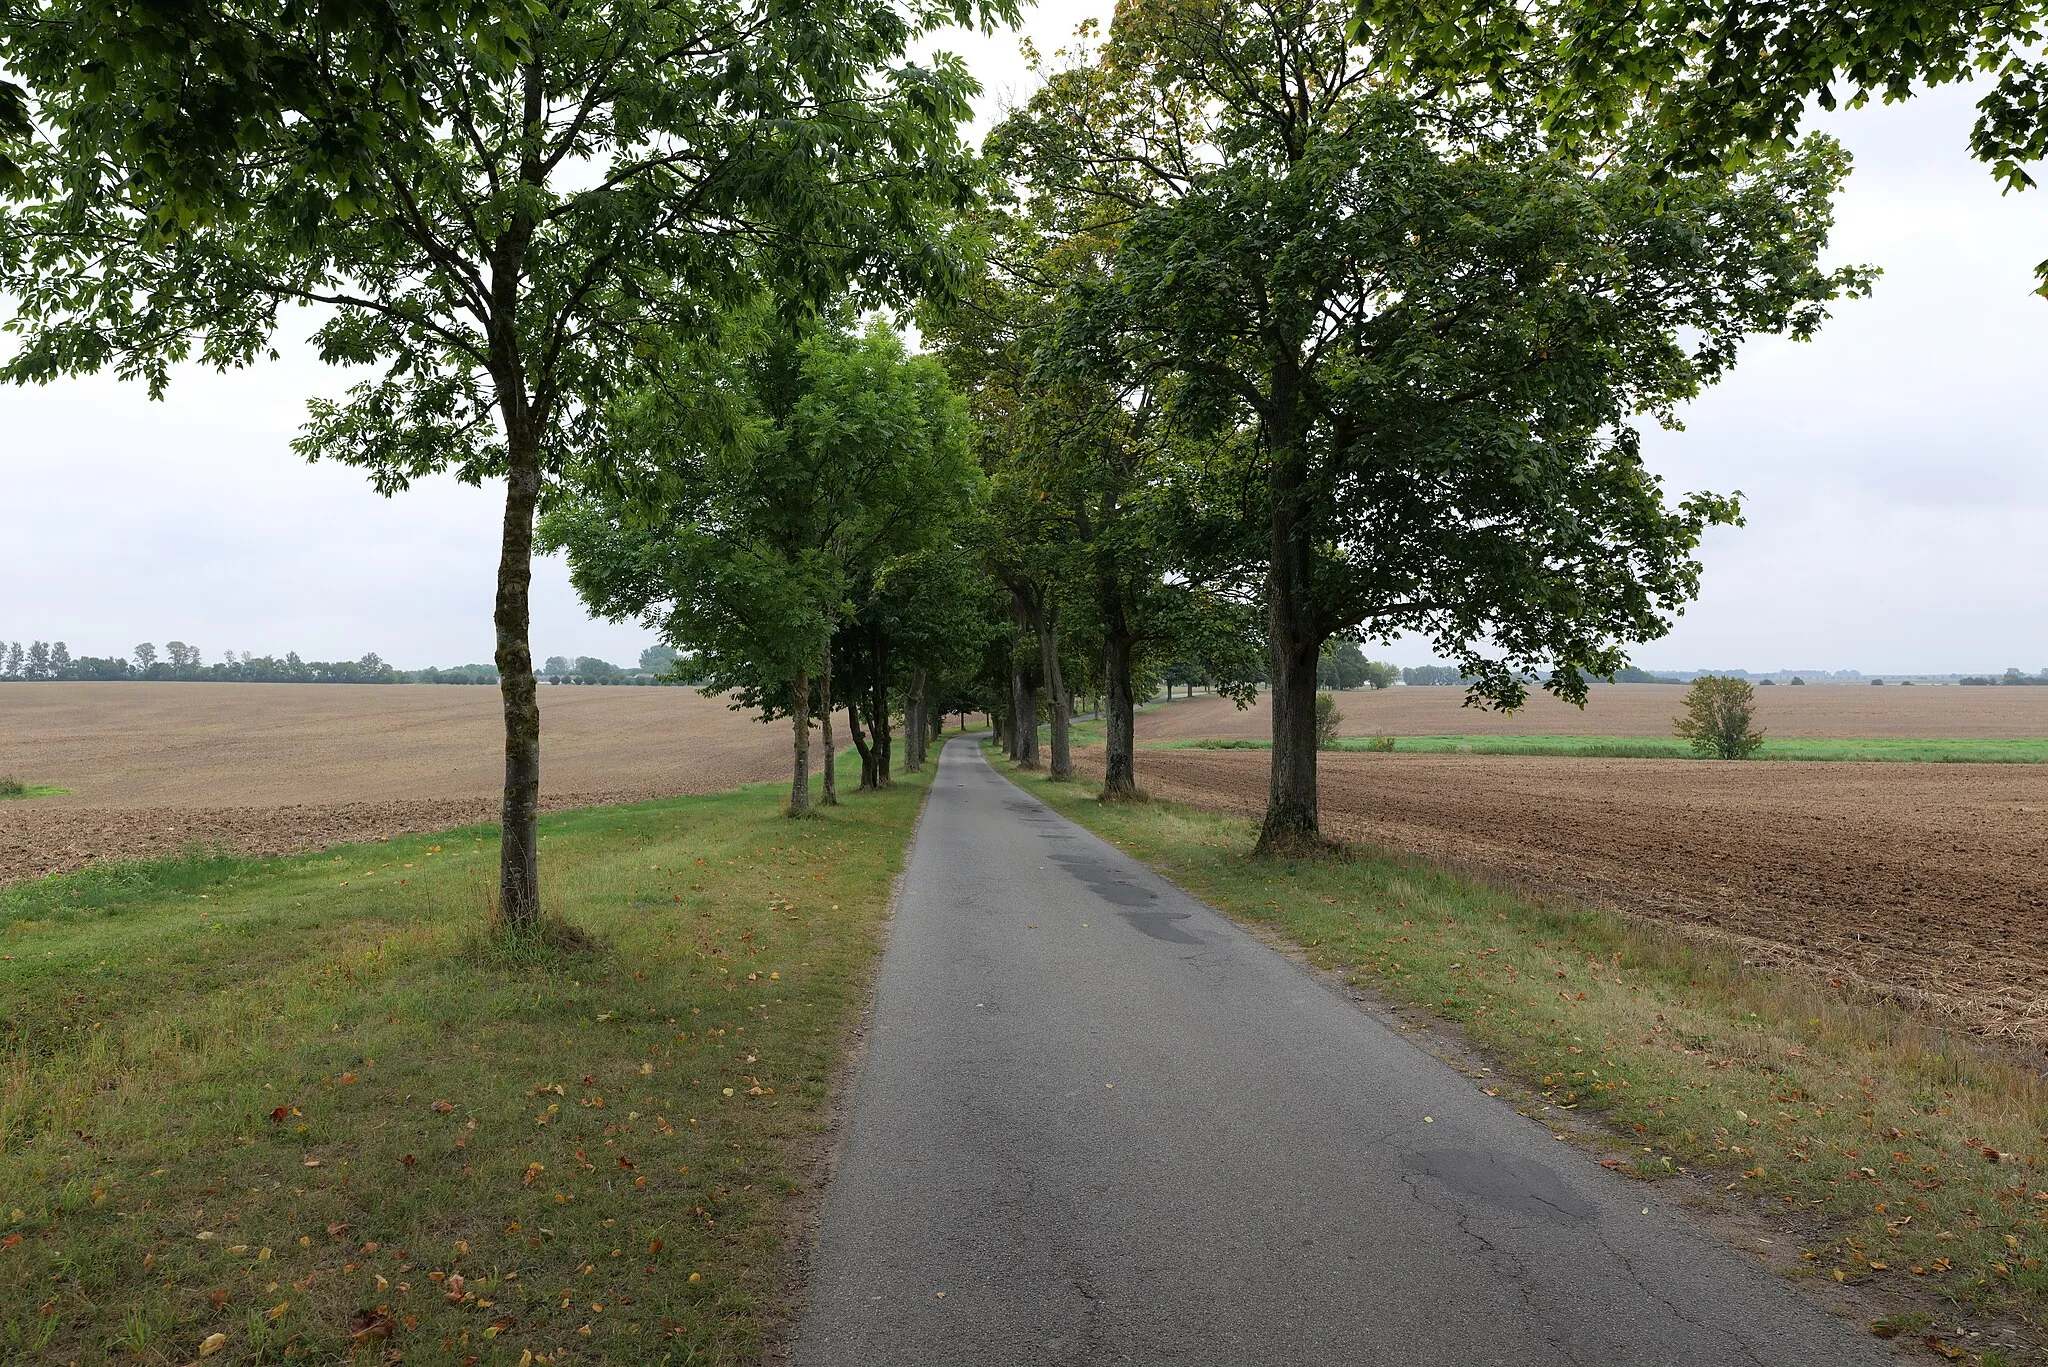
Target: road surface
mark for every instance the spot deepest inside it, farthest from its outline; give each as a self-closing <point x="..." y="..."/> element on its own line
<point x="1098" y="1123"/>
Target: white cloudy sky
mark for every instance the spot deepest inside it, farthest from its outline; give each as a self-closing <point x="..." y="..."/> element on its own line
<point x="1896" y="472"/>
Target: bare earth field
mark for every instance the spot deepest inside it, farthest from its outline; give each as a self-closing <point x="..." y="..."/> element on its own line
<point x="1921" y="881"/>
<point x="271" y="768"/>
<point x="1818" y="711"/>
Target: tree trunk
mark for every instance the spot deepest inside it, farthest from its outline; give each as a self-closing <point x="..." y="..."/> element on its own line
<point x="800" y="722"/>
<point x="830" y="796"/>
<point x="1119" y="767"/>
<point x="1047" y="623"/>
<point x="860" y="744"/>
<point x="914" y="730"/>
<point x="878" y="719"/>
<point x="519" y="852"/>
<point x="1292" y="825"/>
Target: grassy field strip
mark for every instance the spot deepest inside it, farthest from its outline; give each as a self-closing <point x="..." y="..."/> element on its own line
<point x="1910" y="1162"/>
<point x="1966" y="750"/>
<point x="16" y="788"/>
<point x="306" y="1105"/>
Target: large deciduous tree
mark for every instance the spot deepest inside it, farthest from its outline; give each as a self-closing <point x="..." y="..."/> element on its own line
<point x="764" y="478"/>
<point x="1418" y="334"/>
<point x="492" y="201"/>
<point x="1720" y="78"/>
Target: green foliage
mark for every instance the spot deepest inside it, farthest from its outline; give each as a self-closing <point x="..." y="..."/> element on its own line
<point x="1328" y="719"/>
<point x="1719" y="716"/>
<point x="1395" y="309"/>
<point x="1431" y="676"/>
<point x="767" y="476"/>
<point x="1380" y="674"/>
<point x="1726" y="83"/>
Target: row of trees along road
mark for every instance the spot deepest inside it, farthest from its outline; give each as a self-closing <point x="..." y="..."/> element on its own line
<point x="1260" y="326"/>
<point x="498" y="205"/>
<point x="1373" y="347"/>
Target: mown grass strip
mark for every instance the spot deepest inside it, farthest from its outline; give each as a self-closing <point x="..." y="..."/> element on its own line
<point x="1879" y="749"/>
<point x="12" y="787"/>
<point x="1907" y="1155"/>
<point x="292" y="1101"/>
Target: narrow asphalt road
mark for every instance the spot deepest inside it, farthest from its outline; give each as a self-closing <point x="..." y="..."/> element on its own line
<point x="1098" y="1123"/>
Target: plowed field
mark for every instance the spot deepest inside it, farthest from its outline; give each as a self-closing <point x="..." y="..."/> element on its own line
<point x="270" y="768"/>
<point x="1638" y="710"/>
<point x="1922" y="881"/>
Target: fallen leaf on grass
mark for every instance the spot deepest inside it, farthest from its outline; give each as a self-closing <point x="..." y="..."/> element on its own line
<point x="442" y="1107"/>
<point x="371" y="1324"/>
<point x="276" y="1312"/>
<point x="212" y="1344"/>
<point x="500" y="1325"/>
<point x="1947" y="1350"/>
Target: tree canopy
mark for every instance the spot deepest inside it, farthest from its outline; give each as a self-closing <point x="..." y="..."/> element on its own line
<point x="1415" y="333"/>
<point x="493" y="204"/>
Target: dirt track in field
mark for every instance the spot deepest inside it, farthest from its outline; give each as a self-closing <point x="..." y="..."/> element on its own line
<point x="272" y="768"/>
<point x="1816" y="711"/>
<point x="1927" y="882"/>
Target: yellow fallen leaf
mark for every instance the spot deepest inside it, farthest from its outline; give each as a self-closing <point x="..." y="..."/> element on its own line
<point x="212" y="1344"/>
<point x="277" y="1311"/>
<point x="696" y="1276"/>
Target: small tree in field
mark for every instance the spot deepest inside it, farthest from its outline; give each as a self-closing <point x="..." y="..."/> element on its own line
<point x="1328" y="719"/>
<point x="1718" y="715"/>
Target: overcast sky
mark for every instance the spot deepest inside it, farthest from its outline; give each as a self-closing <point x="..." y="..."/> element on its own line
<point x="1895" y="472"/>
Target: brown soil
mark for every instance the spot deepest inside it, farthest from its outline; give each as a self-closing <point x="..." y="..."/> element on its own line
<point x="1639" y="710"/>
<point x="271" y="768"/>
<point x="1920" y="881"/>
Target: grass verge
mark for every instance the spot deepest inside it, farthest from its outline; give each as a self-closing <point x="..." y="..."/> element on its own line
<point x="1909" y="1162"/>
<point x="1967" y="750"/>
<point x="308" y="1106"/>
<point x="14" y="787"/>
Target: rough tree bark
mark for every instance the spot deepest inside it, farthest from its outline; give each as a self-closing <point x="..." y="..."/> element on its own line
<point x="800" y="722"/>
<point x="519" y="858"/>
<point x="914" y="729"/>
<point x="1023" y="691"/>
<point x="1045" y="618"/>
<point x="1292" y="824"/>
<point x="878" y="718"/>
<point x="1119" y="765"/>
<point x="830" y="796"/>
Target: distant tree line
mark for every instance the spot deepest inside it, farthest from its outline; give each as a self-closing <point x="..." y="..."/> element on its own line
<point x="2011" y="676"/>
<point x="42" y="661"/>
<point x="658" y="665"/>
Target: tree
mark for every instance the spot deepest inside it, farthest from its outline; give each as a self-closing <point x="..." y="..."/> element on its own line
<point x="1380" y="674"/>
<point x="762" y="475"/>
<point x="145" y="657"/>
<point x="1420" y="331"/>
<point x="658" y="659"/>
<point x="1722" y="81"/>
<point x="1082" y="519"/>
<point x="1719" y="712"/>
<point x="557" y="667"/>
<point x="495" y="202"/>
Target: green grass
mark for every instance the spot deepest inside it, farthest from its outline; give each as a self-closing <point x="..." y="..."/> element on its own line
<point x="1850" y="1120"/>
<point x="14" y="787"/>
<point x="286" y="1100"/>
<point x="1969" y="750"/>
